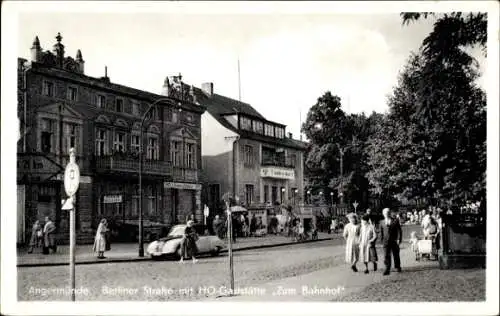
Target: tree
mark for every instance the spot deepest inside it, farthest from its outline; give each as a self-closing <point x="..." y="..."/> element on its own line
<point x="432" y="144"/>
<point x="331" y="131"/>
<point x="463" y="104"/>
<point x="452" y="31"/>
<point x="323" y="127"/>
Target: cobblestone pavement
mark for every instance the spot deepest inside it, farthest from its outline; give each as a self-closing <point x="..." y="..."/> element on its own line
<point x="169" y="280"/>
<point x="431" y="285"/>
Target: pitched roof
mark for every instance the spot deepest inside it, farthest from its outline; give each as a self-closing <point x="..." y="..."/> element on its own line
<point x="218" y="106"/>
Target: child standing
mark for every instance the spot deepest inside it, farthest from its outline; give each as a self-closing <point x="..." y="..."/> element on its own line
<point x="414" y="243"/>
<point x="367" y="238"/>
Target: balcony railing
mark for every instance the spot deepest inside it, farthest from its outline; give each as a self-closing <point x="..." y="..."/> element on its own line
<point x="185" y="175"/>
<point x="275" y="162"/>
<point x="119" y="164"/>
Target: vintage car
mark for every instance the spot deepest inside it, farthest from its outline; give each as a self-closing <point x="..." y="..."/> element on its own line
<point x="170" y="246"/>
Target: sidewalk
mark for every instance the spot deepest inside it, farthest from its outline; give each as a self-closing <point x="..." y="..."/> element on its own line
<point x="328" y="284"/>
<point x="123" y="252"/>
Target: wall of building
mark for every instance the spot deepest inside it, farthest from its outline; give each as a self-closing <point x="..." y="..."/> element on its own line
<point x="249" y="174"/>
<point x="88" y="194"/>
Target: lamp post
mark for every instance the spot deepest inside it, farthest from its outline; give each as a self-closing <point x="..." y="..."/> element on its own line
<point x="331" y="201"/>
<point x="141" y="150"/>
<point x="282" y="194"/>
<point x="309" y="196"/>
<point x="342" y="151"/>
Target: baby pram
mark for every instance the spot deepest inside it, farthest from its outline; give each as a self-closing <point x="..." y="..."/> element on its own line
<point x="427" y="248"/>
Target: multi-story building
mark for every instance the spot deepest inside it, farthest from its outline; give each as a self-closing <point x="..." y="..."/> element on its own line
<point x="249" y="157"/>
<point x="60" y="108"/>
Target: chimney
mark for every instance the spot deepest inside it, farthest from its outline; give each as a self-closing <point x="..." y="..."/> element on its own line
<point x="80" y="61"/>
<point x="290" y="135"/>
<point x="36" y="50"/>
<point x="208" y="88"/>
<point x="105" y="78"/>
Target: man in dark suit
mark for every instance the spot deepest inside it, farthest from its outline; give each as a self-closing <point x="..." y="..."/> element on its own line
<point x="391" y="237"/>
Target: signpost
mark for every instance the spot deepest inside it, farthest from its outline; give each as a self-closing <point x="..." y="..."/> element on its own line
<point x="71" y="183"/>
<point x="355" y="204"/>
<point x="230" y="244"/>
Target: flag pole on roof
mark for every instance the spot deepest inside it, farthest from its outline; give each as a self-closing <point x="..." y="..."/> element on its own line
<point x="239" y="81"/>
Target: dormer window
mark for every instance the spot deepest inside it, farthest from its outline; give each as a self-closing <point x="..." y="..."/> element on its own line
<point x="280" y="132"/>
<point x="258" y="127"/>
<point x="245" y="123"/>
<point x="269" y="130"/>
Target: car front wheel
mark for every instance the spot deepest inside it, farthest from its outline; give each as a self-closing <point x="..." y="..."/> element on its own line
<point x="215" y="252"/>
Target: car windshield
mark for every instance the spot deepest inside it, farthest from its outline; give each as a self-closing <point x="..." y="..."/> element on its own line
<point x="177" y="231"/>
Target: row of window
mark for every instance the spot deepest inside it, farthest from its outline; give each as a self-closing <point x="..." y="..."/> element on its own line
<point x="269" y="156"/>
<point x="182" y="154"/>
<point x="100" y="101"/>
<point x="276" y="195"/>
<point x="261" y="128"/>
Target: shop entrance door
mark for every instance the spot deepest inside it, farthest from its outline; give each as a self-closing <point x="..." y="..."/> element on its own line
<point x="307" y="224"/>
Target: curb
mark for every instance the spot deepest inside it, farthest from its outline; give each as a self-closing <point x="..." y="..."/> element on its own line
<point x="132" y="259"/>
<point x="277" y="245"/>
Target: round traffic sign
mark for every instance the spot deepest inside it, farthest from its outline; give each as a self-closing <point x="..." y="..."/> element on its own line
<point x="71" y="178"/>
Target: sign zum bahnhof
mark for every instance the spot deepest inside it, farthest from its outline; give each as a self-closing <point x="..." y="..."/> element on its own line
<point x="278" y="173"/>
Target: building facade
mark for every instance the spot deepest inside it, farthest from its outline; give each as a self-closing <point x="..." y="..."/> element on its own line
<point x="250" y="158"/>
<point x="60" y="108"/>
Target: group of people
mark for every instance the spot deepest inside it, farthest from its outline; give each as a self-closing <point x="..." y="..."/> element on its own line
<point x="242" y="226"/>
<point x="43" y="237"/>
<point x="361" y="240"/>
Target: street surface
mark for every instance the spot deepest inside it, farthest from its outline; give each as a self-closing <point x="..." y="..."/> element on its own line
<point x="144" y="280"/>
<point x="285" y="268"/>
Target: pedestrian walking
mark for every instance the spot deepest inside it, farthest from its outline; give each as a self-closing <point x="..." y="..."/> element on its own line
<point x="100" y="239"/>
<point x="218" y="226"/>
<point x="36" y="239"/>
<point x="253" y="225"/>
<point x="391" y="236"/>
<point x="351" y="236"/>
<point x="188" y="243"/>
<point x="367" y="239"/>
<point x="49" y="238"/>
<point x="333" y="226"/>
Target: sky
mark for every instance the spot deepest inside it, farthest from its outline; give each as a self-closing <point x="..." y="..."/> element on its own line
<point x="287" y="60"/>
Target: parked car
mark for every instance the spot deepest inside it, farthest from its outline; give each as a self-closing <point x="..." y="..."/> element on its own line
<point x="128" y="230"/>
<point x="170" y="246"/>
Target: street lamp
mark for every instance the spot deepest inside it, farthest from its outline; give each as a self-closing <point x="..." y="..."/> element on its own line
<point x="331" y="201"/>
<point x="282" y="194"/>
<point x="342" y="151"/>
<point x="141" y="150"/>
<point x="309" y="196"/>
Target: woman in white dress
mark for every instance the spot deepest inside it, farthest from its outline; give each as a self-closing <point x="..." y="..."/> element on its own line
<point x="351" y="235"/>
<point x="100" y="239"/>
